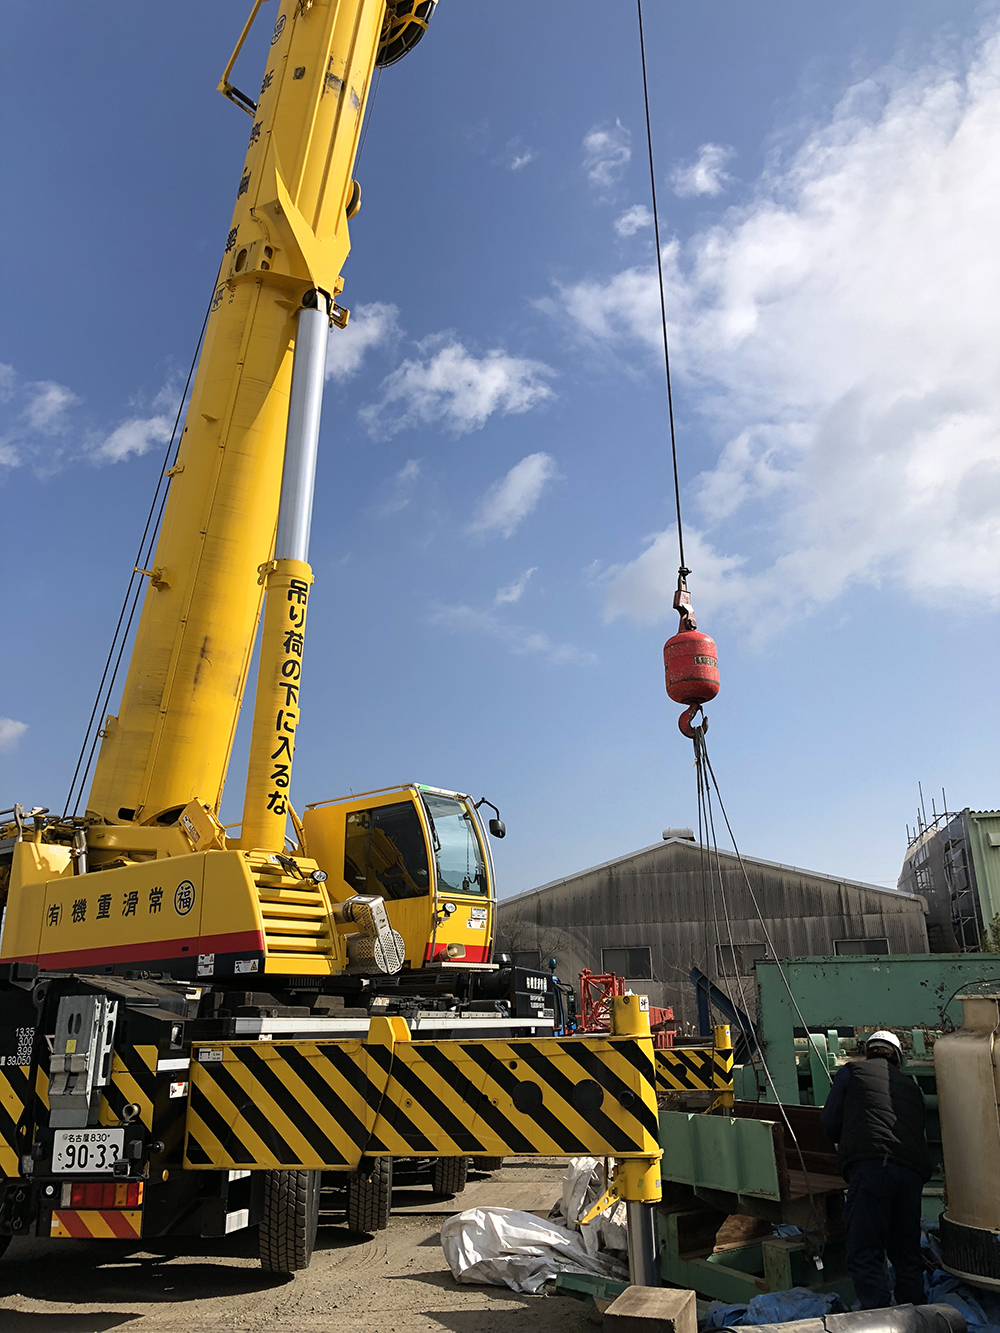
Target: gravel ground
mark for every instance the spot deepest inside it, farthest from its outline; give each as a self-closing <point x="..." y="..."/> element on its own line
<point x="396" y="1283"/>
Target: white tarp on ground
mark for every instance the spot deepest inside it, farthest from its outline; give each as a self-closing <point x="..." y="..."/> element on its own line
<point x="506" y="1247"/>
<point x="582" y="1185"/>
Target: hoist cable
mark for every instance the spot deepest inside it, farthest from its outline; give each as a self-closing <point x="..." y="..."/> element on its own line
<point x="368" y="118"/>
<point x="706" y="781"/>
<point x="753" y="898"/>
<point x="717" y="881"/>
<point x="134" y="588"/>
<point x="663" y="298"/>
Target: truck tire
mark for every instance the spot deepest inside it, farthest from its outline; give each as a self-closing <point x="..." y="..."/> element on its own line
<point x="487" y="1164"/>
<point x="369" y="1197"/>
<point x="449" y="1175"/>
<point x="4" y="1242"/>
<point x="291" y="1214"/>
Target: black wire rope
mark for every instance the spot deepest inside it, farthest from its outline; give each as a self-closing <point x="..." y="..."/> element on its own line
<point x="753" y="898"/>
<point x="369" y="110"/>
<point x="143" y="554"/>
<point x="663" y="299"/>
<point x="703" y="764"/>
<point x="706" y="775"/>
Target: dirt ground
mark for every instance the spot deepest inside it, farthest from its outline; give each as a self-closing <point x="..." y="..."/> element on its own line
<point x="396" y="1283"/>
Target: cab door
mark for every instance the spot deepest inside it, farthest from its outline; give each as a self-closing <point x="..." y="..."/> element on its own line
<point x="379" y="844"/>
<point x="463" y="920"/>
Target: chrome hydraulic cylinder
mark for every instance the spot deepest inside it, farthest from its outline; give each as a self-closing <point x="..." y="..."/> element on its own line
<point x="642" y="1244"/>
<point x="287" y="580"/>
<point x="305" y="406"/>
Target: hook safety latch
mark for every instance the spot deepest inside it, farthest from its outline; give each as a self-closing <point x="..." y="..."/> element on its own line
<point x="686" y="722"/>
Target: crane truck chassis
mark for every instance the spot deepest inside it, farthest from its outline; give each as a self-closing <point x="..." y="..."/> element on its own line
<point x="197" y="1029"/>
<point x="123" y="1115"/>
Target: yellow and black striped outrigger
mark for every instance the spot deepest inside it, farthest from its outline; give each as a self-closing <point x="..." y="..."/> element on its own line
<point x="698" y="1068"/>
<point x="15" y="1088"/>
<point x="315" y="1105"/>
<point x="326" y="1105"/>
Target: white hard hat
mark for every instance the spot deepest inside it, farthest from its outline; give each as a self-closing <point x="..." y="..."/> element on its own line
<point x="886" y="1039"/>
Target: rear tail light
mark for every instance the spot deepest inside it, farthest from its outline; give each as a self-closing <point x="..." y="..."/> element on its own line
<point x="101" y="1194"/>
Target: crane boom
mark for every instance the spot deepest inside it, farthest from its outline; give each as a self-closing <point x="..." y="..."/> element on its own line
<point x="383" y="883"/>
<point x="171" y="740"/>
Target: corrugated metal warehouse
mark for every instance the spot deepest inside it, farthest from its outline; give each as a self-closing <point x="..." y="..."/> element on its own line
<point x="652" y="916"/>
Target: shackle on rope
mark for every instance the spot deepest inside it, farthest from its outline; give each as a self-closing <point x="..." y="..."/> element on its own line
<point x="690" y="662"/>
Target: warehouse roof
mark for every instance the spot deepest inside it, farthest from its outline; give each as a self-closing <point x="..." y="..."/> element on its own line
<point x="686" y="842"/>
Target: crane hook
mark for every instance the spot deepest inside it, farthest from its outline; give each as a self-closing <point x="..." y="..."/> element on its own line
<point x="686" y="722"/>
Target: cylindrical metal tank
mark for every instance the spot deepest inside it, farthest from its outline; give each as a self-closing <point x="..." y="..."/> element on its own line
<point x="967" y="1066"/>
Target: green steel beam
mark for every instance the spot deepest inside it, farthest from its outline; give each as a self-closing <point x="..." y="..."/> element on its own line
<point x="897" y="991"/>
<point x="984" y="843"/>
<point x="719" y="1152"/>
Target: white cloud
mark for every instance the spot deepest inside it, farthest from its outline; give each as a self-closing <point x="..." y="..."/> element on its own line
<point x="370" y="326"/>
<point x="42" y="433"/>
<point x="513" y="592"/>
<point x="643" y="589"/>
<point x="36" y="419"/>
<point x="510" y="500"/>
<point x="633" y="220"/>
<point x="840" y="335"/>
<point x="606" y="153"/>
<point x="706" y="174"/>
<point x="456" y="388"/>
<point x="47" y="405"/>
<point x="11" y="732"/>
<point x="399" y="491"/>
<point x="520" y="155"/>
<point x="515" y="638"/>
<point x="136" y="436"/>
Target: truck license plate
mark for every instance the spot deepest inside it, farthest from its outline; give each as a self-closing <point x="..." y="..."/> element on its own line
<point x="90" y="1150"/>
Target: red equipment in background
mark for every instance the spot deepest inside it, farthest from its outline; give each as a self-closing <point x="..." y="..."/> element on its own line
<point x="598" y="989"/>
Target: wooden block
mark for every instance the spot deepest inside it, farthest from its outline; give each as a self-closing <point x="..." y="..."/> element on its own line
<point x="652" y="1310"/>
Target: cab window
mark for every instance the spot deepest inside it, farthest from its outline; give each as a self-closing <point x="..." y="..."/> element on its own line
<point x="459" y="857"/>
<point x="385" y="853"/>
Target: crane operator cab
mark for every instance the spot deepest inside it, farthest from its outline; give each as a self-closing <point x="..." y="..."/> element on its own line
<point x="425" y="852"/>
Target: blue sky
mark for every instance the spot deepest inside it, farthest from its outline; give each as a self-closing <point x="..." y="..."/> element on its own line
<point x="492" y="540"/>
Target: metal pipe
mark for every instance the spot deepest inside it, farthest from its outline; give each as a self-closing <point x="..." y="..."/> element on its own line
<point x="288" y="579"/>
<point x="79" y="852"/>
<point x="305" y="406"/>
<point x="642" y="1246"/>
<point x="896" y="1319"/>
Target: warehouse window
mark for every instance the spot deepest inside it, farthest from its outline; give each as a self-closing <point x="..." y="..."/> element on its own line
<point x="854" y="948"/>
<point x="635" y="963"/>
<point x="529" y="958"/>
<point x="737" y="960"/>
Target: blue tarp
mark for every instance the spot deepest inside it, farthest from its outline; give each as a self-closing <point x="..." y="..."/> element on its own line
<point x="776" y="1307"/>
<point x="979" y="1309"/>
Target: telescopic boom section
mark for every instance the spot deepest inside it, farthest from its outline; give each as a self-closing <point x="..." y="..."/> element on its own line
<point x="284" y="251"/>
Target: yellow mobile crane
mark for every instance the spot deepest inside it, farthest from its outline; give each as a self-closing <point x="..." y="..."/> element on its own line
<point x="176" y="1052"/>
<point x="394" y="883"/>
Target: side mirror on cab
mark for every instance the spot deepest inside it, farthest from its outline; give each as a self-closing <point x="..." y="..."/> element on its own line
<point x="497" y="828"/>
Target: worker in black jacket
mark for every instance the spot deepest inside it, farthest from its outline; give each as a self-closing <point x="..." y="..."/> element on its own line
<point x="875" y="1116"/>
